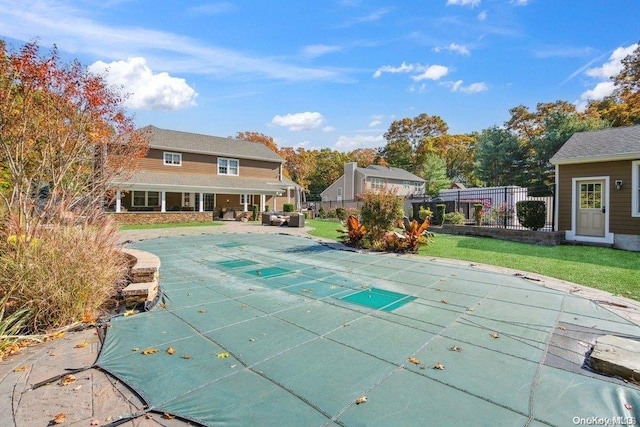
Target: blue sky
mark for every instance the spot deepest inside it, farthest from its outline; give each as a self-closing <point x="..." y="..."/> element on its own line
<point x="334" y="73"/>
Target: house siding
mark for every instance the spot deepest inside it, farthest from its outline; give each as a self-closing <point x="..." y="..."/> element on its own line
<point x="201" y="164"/>
<point x="620" y="219"/>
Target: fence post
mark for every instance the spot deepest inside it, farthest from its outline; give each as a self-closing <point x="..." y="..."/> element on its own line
<point x="553" y="210"/>
<point x="506" y="206"/>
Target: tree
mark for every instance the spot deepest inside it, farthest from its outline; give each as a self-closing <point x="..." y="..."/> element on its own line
<point x="364" y="157"/>
<point x="63" y="135"/>
<point x="328" y="165"/>
<point x="298" y="165"/>
<point x="434" y="172"/>
<point x="260" y="138"/>
<point x="458" y="152"/>
<point x="500" y="159"/>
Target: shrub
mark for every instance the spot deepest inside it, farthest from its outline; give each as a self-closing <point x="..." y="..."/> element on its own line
<point x="288" y="207"/>
<point x="341" y="214"/>
<point x="322" y="213"/>
<point x="440" y="210"/>
<point x="66" y="278"/>
<point x="455" y="218"/>
<point x="532" y="213"/>
<point x="414" y="236"/>
<point x="267" y="208"/>
<point x="424" y="213"/>
<point x="254" y="212"/>
<point x="355" y="232"/>
<point x="379" y="212"/>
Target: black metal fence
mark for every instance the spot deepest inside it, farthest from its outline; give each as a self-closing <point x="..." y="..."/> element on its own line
<point x="498" y="206"/>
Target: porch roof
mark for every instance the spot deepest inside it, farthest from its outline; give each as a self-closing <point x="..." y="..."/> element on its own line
<point x="154" y="181"/>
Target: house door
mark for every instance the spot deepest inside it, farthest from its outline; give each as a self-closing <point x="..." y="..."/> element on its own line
<point x="591" y="211"/>
<point x="339" y="194"/>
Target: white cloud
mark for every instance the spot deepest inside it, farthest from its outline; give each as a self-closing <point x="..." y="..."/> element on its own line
<point x="327" y="129"/>
<point x="434" y="72"/>
<point x="611" y="68"/>
<point x="458" y="86"/>
<point x="404" y="68"/>
<point x="299" y="121"/>
<point x="349" y="143"/>
<point x="142" y="88"/>
<point x="519" y="2"/>
<point x="455" y="48"/>
<point x="212" y="8"/>
<point x="482" y="16"/>
<point x="316" y="50"/>
<point x="472" y="3"/>
<point x="374" y="123"/>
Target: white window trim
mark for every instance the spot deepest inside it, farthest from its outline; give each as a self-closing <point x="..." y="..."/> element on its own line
<point x="249" y="199"/>
<point x="377" y="183"/>
<point x="227" y="160"/>
<point x="635" y="189"/>
<point x="146" y="198"/>
<point x="164" y="158"/>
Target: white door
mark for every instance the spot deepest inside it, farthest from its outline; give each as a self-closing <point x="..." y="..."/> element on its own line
<point x="591" y="211"/>
<point x="339" y="194"/>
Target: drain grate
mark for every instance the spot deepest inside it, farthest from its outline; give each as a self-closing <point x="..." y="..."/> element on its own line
<point x="378" y="299"/>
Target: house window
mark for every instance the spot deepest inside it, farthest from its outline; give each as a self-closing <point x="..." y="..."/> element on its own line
<point x="172" y="159"/>
<point x="406" y="184"/>
<point x="417" y="187"/>
<point x="228" y="166"/>
<point x="246" y="198"/>
<point x="146" y="198"/>
<point x="635" y="188"/>
<point x="590" y="196"/>
<point x="377" y="183"/>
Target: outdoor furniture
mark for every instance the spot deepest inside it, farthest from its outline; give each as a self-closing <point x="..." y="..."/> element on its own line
<point x="296" y="220"/>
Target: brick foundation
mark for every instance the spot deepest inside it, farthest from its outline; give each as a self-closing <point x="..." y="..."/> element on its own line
<point x="160" y="217"/>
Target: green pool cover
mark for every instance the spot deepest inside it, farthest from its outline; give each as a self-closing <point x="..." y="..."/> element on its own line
<point x="279" y="330"/>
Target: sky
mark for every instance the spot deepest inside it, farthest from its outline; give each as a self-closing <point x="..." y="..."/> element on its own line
<point x="334" y="73"/>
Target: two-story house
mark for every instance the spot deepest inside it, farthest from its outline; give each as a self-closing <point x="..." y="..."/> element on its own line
<point x="184" y="171"/>
<point x="356" y="181"/>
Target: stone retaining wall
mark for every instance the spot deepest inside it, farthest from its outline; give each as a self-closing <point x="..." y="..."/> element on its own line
<point x="529" y="236"/>
<point x="160" y="217"/>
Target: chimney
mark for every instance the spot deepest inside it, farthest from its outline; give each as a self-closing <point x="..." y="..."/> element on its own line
<point x="349" y="180"/>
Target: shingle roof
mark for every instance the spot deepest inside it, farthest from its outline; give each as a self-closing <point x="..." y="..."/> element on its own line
<point x="608" y="144"/>
<point x="389" y="172"/>
<point x="206" y="144"/>
<point x="204" y="183"/>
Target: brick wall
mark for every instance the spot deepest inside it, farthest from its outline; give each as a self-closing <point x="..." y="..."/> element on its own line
<point x="160" y="217"/>
<point x="528" y="236"/>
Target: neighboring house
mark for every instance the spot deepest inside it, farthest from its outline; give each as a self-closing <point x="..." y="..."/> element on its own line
<point x="598" y="187"/>
<point x="356" y="181"/>
<point x="184" y="171"/>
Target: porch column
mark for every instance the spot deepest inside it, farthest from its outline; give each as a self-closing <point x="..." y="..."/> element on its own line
<point x="262" y="200"/>
<point x="118" y="201"/>
<point x="288" y="194"/>
<point x="201" y="196"/>
<point x="163" y="201"/>
<point x="246" y="197"/>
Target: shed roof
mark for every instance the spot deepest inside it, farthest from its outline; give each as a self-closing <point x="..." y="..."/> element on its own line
<point x="619" y="143"/>
<point x="174" y="140"/>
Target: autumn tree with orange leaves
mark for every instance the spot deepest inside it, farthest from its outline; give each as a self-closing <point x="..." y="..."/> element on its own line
<point x="64" y="137"/>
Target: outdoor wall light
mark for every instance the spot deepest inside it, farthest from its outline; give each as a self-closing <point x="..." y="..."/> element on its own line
<point x="618" y="184"/>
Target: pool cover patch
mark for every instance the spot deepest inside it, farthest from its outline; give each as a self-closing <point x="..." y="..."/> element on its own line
<point x="270" y="272"/>
<point x="378" y="299"/>
<point x="236" y="263"/>
<point x="229" y="245"/>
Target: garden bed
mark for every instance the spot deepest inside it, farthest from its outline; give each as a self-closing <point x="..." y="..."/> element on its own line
<point x="549" y="238"/>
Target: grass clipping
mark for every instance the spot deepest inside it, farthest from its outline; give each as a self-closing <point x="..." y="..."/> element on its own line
<point x="60" y="276"/>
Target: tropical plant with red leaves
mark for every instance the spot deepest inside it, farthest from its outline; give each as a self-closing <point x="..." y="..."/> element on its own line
<point x="355" y="232"/>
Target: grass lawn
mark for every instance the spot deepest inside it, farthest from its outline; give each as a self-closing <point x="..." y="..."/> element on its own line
<point x="611" y="270"/>
<point x="173" y="225"/>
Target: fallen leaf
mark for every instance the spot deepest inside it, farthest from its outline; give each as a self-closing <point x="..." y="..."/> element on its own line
<point x="59" y="418"/>
<point x="469" y="308"/>
<point x="562" y="328"/>
<point x="222" y="355"/>
<point x="21" y="368"/>
<point x="94" y="423"/>
<point x="584" y="344"/>
<point x="414" y="360"/>
<point x="251" y="339"/>
<point x="186" y="356"/>
<point x="67" y="379"/>
<point x="171" y="350"/>
<point x="56" y="336"/>
<point x="135" y="349"/>
<point x="495" y="335"/>
<point x="628" y="406"/>
<point x="438" y="365"/>
<point x="129" y="312"/>
<point x="456" y="348"/>
<point x="444" y="301"/>
<point x="361" y="399"/>
<point x="77" y="388"/>
<point x="82" y="344"/>
<point x="167" y="416"/>
<point x="201" y="311"/>
<point x="148" y="351"/>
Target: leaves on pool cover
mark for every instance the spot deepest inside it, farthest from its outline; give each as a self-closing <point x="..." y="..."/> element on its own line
<point x="628" y="406"/>
<point x="444" y="301"/>
<point x="150" y="350"/>
<point x="222" y="355"/>
<point x="171" y="350"/>
<point x="361" y="399"/>
<point x="21" y="368"/>
<point x="414" y="360"/>
<point x="186" y="356"/>
<point x="439" y="366"/>
<point x="167" y="416"/>
<point x="494" y="335"/>
<point x="67" y="379"/>
<point x="456" y="348"/>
